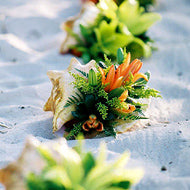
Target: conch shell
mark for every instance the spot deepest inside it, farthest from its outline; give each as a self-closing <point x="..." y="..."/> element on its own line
<point x="14" y="175"/>
<point x="87" y="16"/>
<point x="62" y="90"/>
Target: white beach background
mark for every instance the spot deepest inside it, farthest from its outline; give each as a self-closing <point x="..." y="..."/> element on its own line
<point x="30" y="37"/>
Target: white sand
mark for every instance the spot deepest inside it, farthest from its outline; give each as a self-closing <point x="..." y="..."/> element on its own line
<point x="29" y="40"/>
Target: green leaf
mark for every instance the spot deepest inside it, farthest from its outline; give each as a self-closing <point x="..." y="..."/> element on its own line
<point x="120" y="56"/>
<point x="108" y="39"/>
<point x="57" y="178"/>
<point x="34" y="181"/>
<point x="123" y="184"/>
<point x="139" y="49"/>
<point x="144" y="23"/>
<point x="84" y="31"/>
<point x="133" y="16"/>
<point x="88" y="163"/>
<point x="86" y="57"/>
<point x="92" y="78"/>
<point x="116" y="93"/>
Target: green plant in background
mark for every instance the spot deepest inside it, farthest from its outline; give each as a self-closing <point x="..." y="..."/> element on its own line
<point x="79" y="170"/>
<point x="123" y="25"/>
<point x="142" y="3"/>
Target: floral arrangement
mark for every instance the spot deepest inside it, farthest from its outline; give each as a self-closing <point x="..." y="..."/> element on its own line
<point x="102" y="96"/>
<point x="142" y="3"/>
<point x="104" y="27"/>
<point x="56" y="166"/>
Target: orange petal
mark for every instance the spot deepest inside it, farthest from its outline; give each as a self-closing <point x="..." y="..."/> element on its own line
<point x="132" y="108"/>
<point x="139" y="65"/>
<point x="123" y="96"/>
<point x="128" y="59"/>
<point x="126" y="62"/>
<point x="110" y="78"/>
<point x="103" y="75"/>
<point x="118" y="73"/>
<point x="129" y="68"/>
<point x="85" y="126"/>
<point x="100" y="127"/>
<point x="138" y="76"/>
<point x="135" y="67"/>
<point x="129" y="110"/>
<point x="117" y="83"/>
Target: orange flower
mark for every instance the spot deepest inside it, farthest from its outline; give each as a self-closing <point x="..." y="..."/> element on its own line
<point x="116" y="78"/>
<point x="93" y="123"/>
<point x="130" y="108"/>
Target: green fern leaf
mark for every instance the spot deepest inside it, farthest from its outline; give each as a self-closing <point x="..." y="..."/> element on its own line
<point x="74" y="100"/>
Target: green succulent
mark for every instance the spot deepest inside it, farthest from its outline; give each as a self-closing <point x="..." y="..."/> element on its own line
<point x="123" y="25"/>
<point x="79" y="170"/>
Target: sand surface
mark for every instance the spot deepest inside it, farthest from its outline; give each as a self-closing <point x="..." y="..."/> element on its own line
<point x="30" y="37"/>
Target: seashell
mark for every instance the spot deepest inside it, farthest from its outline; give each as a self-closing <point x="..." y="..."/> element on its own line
<point x="13" y="176"/>
<point x="62" y="90"/>
<point x="88" y="15"/>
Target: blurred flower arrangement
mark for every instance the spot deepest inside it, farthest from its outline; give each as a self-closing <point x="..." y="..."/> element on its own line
<point x="55" y="166"/>
<point x="102" y="96"/>
<point x="104" y="27"/>
<point x="142" y="3"/>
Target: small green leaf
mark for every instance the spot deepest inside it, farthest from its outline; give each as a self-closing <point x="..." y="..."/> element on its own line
<point x="86" y="57"/>
<point x="116" y="93"/>
<point x="123" y="184"/>
<point x="120" y="56"/>
<point x="92" y="78"/>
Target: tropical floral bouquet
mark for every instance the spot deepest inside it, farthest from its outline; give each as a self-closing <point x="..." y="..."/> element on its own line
<point x="99" y="98"/>
<point x="104" y="27"/>
<point x="55" y="166"/>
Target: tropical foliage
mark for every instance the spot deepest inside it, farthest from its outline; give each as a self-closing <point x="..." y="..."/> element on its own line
<point x="79" y="170"/>
<point x="123" y="25"/>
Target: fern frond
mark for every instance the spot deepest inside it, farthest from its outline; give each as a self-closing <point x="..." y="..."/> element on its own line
<point x="143" y="93"/>
<point x="108" y="61"/>
<point x="74" y="100"/>
<point x="77" y="128"/>
<point x="131" y="117"/>
<point x="103" y="110"/>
